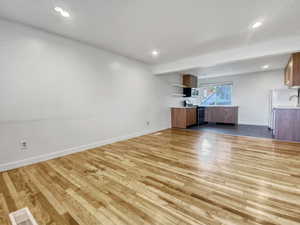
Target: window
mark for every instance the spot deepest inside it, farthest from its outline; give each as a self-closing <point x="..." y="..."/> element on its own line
<point x="214" y="94"/>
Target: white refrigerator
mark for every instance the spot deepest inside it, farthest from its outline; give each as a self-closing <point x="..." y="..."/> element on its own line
<point x="280" y="98"/>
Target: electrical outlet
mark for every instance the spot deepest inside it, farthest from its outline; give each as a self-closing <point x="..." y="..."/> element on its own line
<point x="148" y="123"/>
<point x="23" y="145"/>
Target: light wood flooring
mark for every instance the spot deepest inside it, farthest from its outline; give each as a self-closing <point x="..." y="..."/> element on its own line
<point x="170" y="177"/>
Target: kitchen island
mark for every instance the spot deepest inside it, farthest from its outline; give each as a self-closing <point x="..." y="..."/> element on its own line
<point x="286" y="123"/>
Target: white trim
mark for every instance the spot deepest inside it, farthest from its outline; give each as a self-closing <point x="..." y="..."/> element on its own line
<point x="41" y="158"/>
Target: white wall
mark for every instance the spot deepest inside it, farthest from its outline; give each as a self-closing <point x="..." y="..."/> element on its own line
<point x="59" y="94"/>
<point x="172" y="99"/>
<point x="251" y="92"/>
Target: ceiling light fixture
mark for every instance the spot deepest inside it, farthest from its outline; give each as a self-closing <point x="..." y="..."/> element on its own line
<point x="58" y="9"/>
<point x="266" y="67"/>
<point x="155" y="53"/>
<point x="65" y="14"/>
<point x="256" y="25"/>
<point x="62" y="12"/>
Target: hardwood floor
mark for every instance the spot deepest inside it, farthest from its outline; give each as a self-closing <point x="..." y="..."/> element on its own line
<point x="171" y="177"/>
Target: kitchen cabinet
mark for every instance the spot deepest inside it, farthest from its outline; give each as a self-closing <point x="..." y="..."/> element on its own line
<point x="221" y="114"/>
<point x="189" y="81"/>
<point x="292" y="71"/>
<point x="287" y="124"/>
<point x="183" y="117"/>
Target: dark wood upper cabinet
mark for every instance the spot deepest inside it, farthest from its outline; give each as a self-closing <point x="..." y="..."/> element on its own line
<point x="190" y="81"/>
<point x="292" y="71"/>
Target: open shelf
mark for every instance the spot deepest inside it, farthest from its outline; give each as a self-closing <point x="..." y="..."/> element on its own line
<point x="178" y="95"/>
<point x="179" y="85"/>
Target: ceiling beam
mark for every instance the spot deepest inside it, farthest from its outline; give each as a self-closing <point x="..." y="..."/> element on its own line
<point x="279" y="46"/>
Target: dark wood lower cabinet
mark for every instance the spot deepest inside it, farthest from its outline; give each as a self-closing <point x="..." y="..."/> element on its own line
<point x="183" y="117"/>
<point x="221" y="114"/>
<point x="287" y="124"/>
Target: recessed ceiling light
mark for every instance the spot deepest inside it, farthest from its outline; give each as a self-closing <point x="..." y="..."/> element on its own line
<point x="155" y="53"/>
<point x="65" y="14"/>
<point x="58" y="9"/>
<point x="257" y="25"/>
<point x="265" y="67"/>
<point x="62" y="12"/>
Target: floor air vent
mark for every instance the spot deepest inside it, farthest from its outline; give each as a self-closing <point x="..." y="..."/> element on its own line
<point x="22" y="217"/>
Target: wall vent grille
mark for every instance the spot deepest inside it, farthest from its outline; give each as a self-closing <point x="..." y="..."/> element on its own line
<point x="22" y="217"/>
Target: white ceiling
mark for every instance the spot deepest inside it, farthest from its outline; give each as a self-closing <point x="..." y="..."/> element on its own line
<point x="177" y="28"/>
<point x="275" y="62"/>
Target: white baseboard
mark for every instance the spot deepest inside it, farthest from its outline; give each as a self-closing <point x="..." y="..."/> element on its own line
<point x="41" y="158"/>
<point x="254" y="124"/>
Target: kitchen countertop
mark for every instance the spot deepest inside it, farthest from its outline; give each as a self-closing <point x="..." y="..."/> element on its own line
<point x="182" y="107"/>
<point x="192" y="107"/>
<point x="286" y="107"/>
<point x="219" y="106"/>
